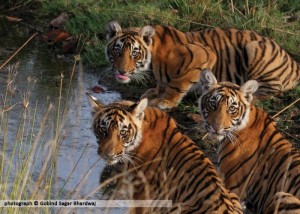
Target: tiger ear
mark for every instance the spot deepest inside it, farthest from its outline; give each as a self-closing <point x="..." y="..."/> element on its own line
<point x="248" y="88"/>
<point x="207" y="79"/>
<point x="113" y="28"/>
<point x="147" y="32"/>
<point x="95" y="104"/>
<point x="138" y="108"/>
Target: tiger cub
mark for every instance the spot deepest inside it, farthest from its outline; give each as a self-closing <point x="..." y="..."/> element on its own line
<point x="255" y="160"/>
<point x="161" y="162"/>
<point x="176" y="60"/>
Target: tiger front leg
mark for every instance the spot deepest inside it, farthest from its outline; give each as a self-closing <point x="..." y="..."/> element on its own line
<point x="176" y="90"/>
<point x="284" y="203"/>
<point x="185" y="65"/>
<point x="152" y="93"/>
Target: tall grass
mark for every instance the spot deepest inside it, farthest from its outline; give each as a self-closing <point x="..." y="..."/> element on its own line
<point x="22" y="137"/>
<point x="29" y="143"/>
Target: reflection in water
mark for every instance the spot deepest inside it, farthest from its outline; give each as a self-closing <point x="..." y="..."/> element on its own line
<point x="76" y="167"/>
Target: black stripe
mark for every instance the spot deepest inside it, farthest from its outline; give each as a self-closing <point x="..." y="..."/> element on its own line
<point x="205" y="186"/>
<point x="160" y="72"/>
<point x="175" y="34"/>
<point x="178" y="152"/>
<point x="183" y="161"/>
<point x="177" y="89"/>
<point x="294" y="182"/>
<point x="182" y="63"/>
<point x="166" y="73"/>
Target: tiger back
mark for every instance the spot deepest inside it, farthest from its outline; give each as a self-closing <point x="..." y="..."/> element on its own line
<point x="255" y="160"/>
<point x="176" y="60"/>
<point x="159" y="162"/>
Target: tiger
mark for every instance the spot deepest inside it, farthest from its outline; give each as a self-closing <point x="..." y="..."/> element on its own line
<point x="254" y="159"/>
<point x="176" y="60"/>
<point x="160" y="162"/>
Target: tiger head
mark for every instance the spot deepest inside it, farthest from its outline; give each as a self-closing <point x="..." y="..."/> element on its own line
<point x="128" y="51"/>
<point x="225" y="106"/>
<point x="118" y="128"/>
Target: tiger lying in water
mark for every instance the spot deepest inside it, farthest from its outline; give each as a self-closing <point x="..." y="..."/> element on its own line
<point x="161" y="162"/>
<point x="176" y="60"/>
<point x="255" y="160"/>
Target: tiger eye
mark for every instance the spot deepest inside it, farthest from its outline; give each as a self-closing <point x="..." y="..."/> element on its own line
<point x="232" y="108"/>
<point x="103" y="129"/>
<point x="134" y="53"/>
<point x="213" y="104"/>
<point x="123" y="133"/>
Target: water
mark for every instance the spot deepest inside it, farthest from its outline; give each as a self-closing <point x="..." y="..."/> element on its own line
<point x="39" y="77"/>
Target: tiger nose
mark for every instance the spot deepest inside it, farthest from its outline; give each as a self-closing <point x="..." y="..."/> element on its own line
<point x="217" y="128"/>
<point x="105" y="154"/>
<point x="121" y="72"/>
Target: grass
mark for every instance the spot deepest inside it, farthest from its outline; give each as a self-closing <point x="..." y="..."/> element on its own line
<point x="276" y="19"/>
<point x="27" y="143"/>
<point x="25" y="138"/>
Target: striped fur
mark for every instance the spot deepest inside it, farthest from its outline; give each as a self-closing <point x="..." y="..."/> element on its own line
<point x="164" y="164"/>
<point x="176" y="60"/>
<point x="255" y="160"/>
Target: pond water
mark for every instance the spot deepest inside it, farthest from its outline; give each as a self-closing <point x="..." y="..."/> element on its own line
<point x="35" y="74"/>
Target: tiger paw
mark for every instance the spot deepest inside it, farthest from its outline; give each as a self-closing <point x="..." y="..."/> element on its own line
<point x="150" y="94"/>
<point x="162" y="103"/>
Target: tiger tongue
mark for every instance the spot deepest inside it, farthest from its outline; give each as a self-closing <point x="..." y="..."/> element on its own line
<point x="123" y="77"/>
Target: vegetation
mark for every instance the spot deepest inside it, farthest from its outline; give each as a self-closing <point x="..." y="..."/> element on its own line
<point x="31" y="142"/>
<point x="277" y="19"/>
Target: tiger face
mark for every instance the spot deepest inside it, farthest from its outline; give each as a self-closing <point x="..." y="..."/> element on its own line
<point x="225" y="107"/>
<point x="118" y="130"/>
<point x="128" y="51"/>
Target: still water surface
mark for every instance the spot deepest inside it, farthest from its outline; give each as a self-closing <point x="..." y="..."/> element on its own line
<point x="38" y="76"/>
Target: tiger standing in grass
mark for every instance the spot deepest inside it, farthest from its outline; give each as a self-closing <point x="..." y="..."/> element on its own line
<point x="176" y="60"/>
<point x="255" y="160"/>
<point x="160" y="162"/>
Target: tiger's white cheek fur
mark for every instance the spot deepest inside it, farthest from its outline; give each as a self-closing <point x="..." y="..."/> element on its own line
<point x="148" y="60"/>
<point x="244" y="121"/>
<point x="139" y="135"/>
<point x="136" y="142"/>
<point x="144" y="63"/>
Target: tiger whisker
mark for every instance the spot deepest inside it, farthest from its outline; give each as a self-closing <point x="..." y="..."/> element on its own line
<point x="129" y="158"/>
<point x="234" y="139"/>
<point x="231" y="137"/>
<point x="244" y="132"/>
<point x="237" y="137"/>
<point x="136" y="159"/>
<point x="130" y="152"/>
<point x="202" y="124"/>
<point x="140" y="77"/>
<point x="136" y="156"/>
<point x="126" y="157"/>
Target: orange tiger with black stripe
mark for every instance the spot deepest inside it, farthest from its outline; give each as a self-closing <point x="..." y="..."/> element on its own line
<point x="161" y="163"/>
<point x="176" y="60"/>
<point x="255" y="160"/>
